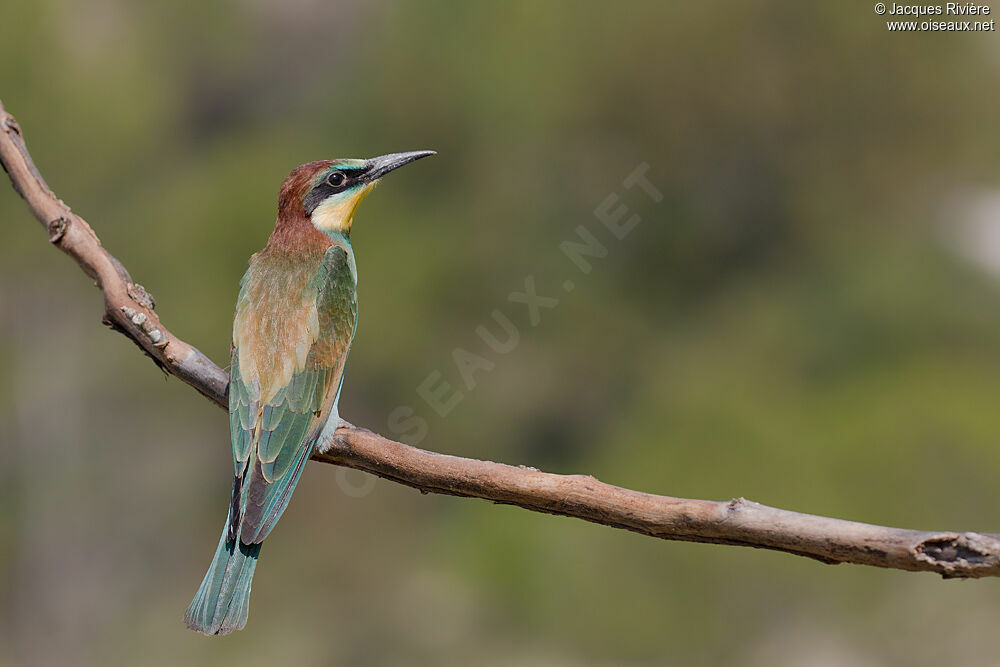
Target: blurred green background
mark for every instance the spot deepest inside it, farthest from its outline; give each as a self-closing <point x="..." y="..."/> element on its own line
<point x="810" y="318"/>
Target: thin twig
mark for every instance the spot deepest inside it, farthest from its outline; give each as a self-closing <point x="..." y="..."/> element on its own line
<point x="128" y="309"/>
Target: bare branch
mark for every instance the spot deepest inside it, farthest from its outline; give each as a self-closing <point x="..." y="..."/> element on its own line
<point x="128" y="308"/>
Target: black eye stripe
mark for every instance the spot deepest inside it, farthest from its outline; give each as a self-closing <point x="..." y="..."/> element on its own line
<point x="352" y="176"/>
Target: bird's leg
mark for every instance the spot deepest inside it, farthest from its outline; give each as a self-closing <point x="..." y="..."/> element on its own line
<point x="328" y="439"/>
<point x="339" y="440"/>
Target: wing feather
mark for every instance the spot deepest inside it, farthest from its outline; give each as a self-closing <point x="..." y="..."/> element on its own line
<point x="272" y="441"/>
<point x="242" y="417"/>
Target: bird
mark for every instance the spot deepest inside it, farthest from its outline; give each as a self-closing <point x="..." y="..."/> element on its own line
<point x="296" y="314"/>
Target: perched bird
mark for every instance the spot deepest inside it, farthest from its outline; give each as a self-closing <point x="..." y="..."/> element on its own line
<point x="295" y="320"/>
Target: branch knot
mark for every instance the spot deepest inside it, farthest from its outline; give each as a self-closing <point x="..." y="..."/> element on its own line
<point x="139" y="294"/>
<point x="957" y="553"/>
<point x="57" y="229"/>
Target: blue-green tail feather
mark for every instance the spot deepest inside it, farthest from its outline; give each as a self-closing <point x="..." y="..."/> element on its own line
<point x="222" y="602"/>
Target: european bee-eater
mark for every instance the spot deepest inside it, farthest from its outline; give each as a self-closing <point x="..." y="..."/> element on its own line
<point x="295" y="320"/>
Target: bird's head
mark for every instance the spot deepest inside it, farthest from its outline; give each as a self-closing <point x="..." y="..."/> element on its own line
<point x="327" y="192"/>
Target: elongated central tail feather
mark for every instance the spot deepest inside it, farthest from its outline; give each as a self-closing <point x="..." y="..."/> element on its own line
<point x="222" y="602"/>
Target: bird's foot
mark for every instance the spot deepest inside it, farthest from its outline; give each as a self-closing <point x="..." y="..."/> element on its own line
<point x="330" y="441"/>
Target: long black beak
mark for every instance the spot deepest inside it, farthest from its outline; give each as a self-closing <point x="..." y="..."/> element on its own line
<point x="383" y="164"/>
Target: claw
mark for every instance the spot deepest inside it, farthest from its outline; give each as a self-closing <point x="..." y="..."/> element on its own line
<point x="329" y="441"/>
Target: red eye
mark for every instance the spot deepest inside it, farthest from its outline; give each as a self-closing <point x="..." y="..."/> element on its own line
<point x="336" y="179"/>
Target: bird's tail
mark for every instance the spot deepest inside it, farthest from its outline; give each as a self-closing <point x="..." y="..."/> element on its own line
<point x="222" y="602"/>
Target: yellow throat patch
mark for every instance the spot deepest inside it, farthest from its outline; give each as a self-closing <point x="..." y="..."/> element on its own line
<point x="336" y="213"/>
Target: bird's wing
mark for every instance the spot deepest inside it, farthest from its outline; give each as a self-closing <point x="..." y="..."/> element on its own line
<point x="272" y="439"/>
